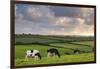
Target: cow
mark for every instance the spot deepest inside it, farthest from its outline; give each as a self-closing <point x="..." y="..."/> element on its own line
<point x="52" y="52"/>
<point x="76" y="51"/>
<point x="33" y="54"/>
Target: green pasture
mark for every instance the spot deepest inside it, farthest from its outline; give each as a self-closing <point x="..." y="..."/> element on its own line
<point x="64" y="45"/>
<point x="86" y="57"/>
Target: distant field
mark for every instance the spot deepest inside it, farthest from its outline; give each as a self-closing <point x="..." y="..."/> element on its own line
<point x="49" y="39"/>
<point x="91" y="43"/>
<point x="64" y="45"/>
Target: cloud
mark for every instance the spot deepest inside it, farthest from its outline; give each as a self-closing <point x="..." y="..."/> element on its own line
<point x="77" y="12"/>
<point x="36" y="13"/>
<point x="50" y="20"/>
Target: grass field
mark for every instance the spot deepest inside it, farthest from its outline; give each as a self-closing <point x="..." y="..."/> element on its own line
<point x="87" y="57"/>
<point x="63" y="44"/>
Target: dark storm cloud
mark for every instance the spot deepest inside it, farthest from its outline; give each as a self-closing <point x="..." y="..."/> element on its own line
<point x="66" y="11"/>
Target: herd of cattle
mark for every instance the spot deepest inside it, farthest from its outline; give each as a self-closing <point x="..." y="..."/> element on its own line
<point x="36" y="54"/>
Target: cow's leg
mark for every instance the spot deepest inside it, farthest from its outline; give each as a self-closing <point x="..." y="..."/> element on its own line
<point x="36" y="57"/>
<point x="54" y="55"/>
<point x="49" y="54"/>
<point x="26" y="58"/>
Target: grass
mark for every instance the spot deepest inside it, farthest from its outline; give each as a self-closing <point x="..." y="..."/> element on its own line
<point x="62" y="43"/>
<point x="86" y="57"/>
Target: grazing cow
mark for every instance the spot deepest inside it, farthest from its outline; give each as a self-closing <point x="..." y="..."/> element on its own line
<point x="53" y="52"/>
<point x="76" y="51"/>
<point x="33" y="54"/>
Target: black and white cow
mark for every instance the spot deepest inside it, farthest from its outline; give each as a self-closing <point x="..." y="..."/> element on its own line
<point x="76" y="51"/>
<point x="52" y="52"/>
<point x="33" y="54"/>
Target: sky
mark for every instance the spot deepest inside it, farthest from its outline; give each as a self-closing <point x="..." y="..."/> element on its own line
<point x="54" y="20"/>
